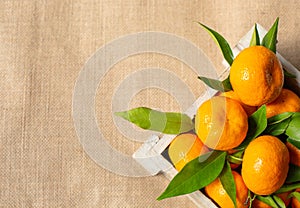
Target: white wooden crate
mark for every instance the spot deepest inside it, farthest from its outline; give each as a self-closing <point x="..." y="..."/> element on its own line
<point x="149" y="155"/>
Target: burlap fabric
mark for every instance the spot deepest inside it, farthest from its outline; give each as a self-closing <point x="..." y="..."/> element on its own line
<point x="44" y="45"/>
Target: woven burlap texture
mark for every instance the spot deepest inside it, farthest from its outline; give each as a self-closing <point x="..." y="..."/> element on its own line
<point x="43" y="47"/>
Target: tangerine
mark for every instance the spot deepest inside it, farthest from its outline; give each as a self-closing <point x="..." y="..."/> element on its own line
<point x="287" y="101"/>
<point x="265" y="165"/>
<point x="256" y="76"/>
<point x="184" y="148"/>
<point x="221" y="123"/>
<point x="216" y="191"/>
<point x="248" y="109"/>
<point x="294" y="153"/>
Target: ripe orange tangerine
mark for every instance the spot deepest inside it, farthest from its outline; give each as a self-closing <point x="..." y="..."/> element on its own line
<point x="287" y="101"/>
<point x="265" y="165"/>
<point x="294" y="154"/>
<point x="221" y="123"/>
<point x="256" y="76"/>
<point x="216" y="192"/>
<point x="248" y="109"/>
<point x="184" y="148"/>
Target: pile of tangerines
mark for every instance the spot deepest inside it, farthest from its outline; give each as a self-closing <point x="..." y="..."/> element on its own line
<point x="243" y="147"/>
<point x="221" y="123"/>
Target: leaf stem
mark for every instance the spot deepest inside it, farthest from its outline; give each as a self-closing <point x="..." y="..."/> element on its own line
<point x="250" y="199"/>
<point x="234" y="159"/>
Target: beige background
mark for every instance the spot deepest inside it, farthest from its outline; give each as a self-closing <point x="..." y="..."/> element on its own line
<point x="44" y="45"/>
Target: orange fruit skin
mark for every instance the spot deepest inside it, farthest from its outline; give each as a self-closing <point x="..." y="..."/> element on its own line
<point x="256" y="76"/>
<point x="216" y="192"/>
<point x="294" y="154"/>
<point x="221" y="123"/>
<point x="234" y="166"/>
<point x="284" y="196"/>
<point x="259" y="204"/>
<point x="248" y="109"/>
<point x="265" y="165"/>
<point x="287" y="101"/>
<point x="294" y="202"/>
<point x="184" y="148"/>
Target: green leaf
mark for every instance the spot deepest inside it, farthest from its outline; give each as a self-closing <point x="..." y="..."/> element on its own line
<point x="288" y="74"/>
<point x="255" y="37"/>
<point x="222" y="86"/>
<point x="270" y="39"/>
<point x="278" y="124"/>
<point x="228" y="183"/>
<point x="168" y="123"/>
<point x="279" y="118"/>
<point x="222" y="43"/>
<point x="295" y="194"/>
<point x="278" y="128"/>
<point x="287" y="188"/>
<point x="293" y="174"/>
<point x="257" y="123"/>
<point x="196" y="174"/>
<point x="279" y="201"/>
<point x="294" y="126"/>
<point x="227" y="85"/>
<point x="295" y="142"/>
<point x="268" y="200"/>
